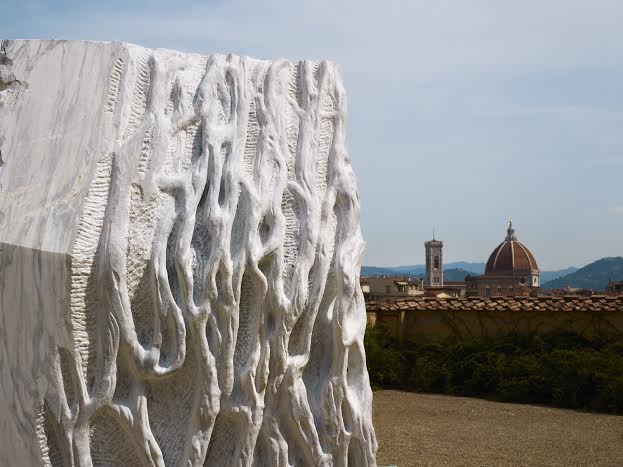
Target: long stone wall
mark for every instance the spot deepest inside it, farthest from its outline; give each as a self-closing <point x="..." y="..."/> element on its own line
<point x="433" y="319"/>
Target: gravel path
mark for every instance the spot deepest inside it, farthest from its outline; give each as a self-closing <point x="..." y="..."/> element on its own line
<point x="432" y="430"/>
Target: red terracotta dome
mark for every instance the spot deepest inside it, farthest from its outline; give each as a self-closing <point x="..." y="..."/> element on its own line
<point x="511" y="257"/>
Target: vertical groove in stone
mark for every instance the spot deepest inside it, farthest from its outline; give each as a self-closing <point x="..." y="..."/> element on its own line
<point x="82" y="294"/>
<point x="115" y="81"/>
<point x="139" y="93"/>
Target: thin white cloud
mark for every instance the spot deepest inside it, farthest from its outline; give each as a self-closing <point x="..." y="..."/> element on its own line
<point x="616" y="210"/>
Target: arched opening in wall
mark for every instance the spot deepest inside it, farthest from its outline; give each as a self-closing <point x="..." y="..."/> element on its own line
<point x="318" y="369"/>
<point x="70" y="385"/>
<point x="226" y="98"/>
<point x="143" y="306"/>
<point x="174" y="284"/>
<point x="355" y="371"/>
<point x="301" y="332"/>
<point x="290" y="209"/>
<point x="265" y="228"/>
<point x="170" y="407"/>
<point x="248" y="321"/>
<point x="222" y="192"/>
<point x="123" y="384"/>
<point x="436" y="262"/>
<point x="201" y="246"/>
<point x="110" y="444"/>
<point x="356" y="452"/>
<point x="223" y="442"/>
<point x="170" y="345"/>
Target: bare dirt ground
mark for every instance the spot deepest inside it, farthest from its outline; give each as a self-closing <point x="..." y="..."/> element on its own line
<point x="432" y="430"/>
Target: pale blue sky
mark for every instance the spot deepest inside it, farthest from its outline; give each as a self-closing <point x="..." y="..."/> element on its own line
<point x="462" y="113"/>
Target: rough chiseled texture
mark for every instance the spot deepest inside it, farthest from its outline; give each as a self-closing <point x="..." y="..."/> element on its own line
<point x="179" y="261"/>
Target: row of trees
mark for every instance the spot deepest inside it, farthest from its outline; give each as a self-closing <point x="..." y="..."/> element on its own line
<point x="562" y="370"/>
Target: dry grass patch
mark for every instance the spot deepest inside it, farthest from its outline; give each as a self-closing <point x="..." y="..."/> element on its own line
<point x="434" y="430"/>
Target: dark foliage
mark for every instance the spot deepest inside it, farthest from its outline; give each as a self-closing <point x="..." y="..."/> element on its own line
<point x="562" y="370"/>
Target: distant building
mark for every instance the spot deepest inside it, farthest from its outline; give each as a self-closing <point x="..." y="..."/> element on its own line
<point x="510" y="271"/>
<point x="434" y="284"/>
<point x="450" y="289"/>
<point x="614" y="288"/>
<point x="434" y="263"/>
<point x="567" y="291"/>
<point x="390" y="288"/>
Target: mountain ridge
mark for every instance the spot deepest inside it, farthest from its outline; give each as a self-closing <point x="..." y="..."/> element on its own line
<point x="419" y="269"/>
<point x="454" y="271"/>
<point x="593" y="276"/>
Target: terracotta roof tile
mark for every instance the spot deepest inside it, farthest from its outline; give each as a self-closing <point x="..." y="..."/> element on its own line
<point x="541" y="304"/>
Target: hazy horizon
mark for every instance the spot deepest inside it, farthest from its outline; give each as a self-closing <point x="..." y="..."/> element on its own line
<point x="446" y="263"/>
<point x="461" y="115"/>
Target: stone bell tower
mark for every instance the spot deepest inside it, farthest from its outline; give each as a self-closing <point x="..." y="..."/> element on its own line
<point x="434" y="263"/>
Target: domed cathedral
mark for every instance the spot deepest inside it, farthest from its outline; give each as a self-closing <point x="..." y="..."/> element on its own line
<point x="511" y="270"/>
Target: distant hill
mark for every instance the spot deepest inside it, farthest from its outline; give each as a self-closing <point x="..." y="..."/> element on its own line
<point x="371" y="271"/>
<point x="592" y="276"/>
<point x="418" y="270"/>
<point x="412" y="271"/>
<point x="455" y="271"/>
<point x="547" y="276"/>
<point x="456" y="274"/>
<point x="472" y="268"/>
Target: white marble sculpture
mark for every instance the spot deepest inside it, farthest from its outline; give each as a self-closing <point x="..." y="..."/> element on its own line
<point x="179" y="261"/>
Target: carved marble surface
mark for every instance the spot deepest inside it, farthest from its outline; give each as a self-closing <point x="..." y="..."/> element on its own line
<point x="179" y="261"/>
